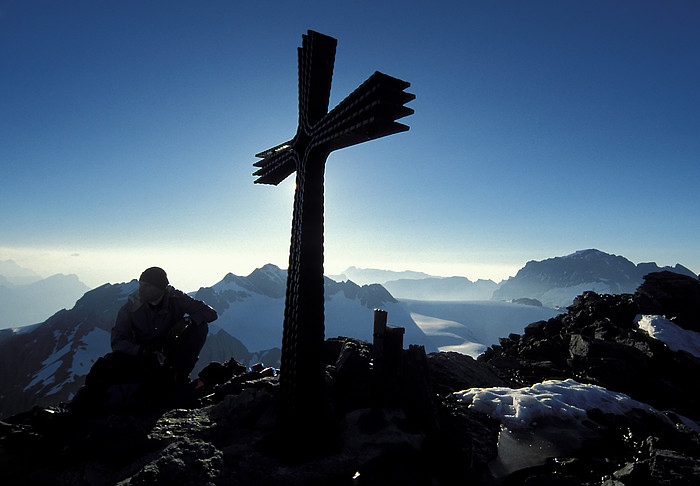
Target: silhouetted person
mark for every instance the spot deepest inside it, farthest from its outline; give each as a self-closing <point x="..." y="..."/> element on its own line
<point x="151" y="326"/>
<point x="156" y="341"/>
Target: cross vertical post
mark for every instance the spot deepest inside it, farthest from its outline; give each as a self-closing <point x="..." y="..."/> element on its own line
<point x="367" y="113"/>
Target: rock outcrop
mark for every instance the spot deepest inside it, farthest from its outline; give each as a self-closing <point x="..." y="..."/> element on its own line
<point x="598" y="342"/>
<point x="230" y="435"/>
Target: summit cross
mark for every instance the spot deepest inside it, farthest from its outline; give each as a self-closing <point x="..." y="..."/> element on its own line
<point x="367" y="113"/>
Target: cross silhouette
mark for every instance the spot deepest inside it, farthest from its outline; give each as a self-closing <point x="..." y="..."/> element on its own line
<point x="367" y="113"/>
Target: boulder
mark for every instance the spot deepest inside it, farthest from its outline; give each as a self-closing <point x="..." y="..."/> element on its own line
<point x="673" y="295"/>
<point x="451" y="372"/>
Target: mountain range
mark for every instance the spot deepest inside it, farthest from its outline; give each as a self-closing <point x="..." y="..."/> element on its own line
<point x="553" y="282"/>
<point x="442" y="288"/>
<point x="421" y="286"/>
<point x="13" y="274"/>
<point x="46" y="363"/>
<point x="26" y="298"/>
<point x="252" y="308"/>
<point x="605" y="393"/>
<point x="363" y="276"/>
<point x="557" y="281"/>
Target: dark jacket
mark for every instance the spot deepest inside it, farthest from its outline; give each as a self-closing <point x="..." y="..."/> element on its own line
<point x="141" y="324"/>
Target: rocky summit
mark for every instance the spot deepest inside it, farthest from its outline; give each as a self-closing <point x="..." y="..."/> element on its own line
<point x="626" y="408"/>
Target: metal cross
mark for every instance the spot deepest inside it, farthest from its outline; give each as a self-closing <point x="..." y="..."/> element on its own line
<point x="367" y="113"/>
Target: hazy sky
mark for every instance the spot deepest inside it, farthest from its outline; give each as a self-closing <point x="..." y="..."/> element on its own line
<point x="128" y="131"/>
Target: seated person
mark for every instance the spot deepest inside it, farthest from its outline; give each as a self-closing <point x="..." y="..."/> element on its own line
<point x="152" y="326"/>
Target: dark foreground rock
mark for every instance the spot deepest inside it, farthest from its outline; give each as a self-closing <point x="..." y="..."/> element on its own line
<point x="230" y="436"/>
<point x="597" y="342"/>
<point x="412" y="431"/>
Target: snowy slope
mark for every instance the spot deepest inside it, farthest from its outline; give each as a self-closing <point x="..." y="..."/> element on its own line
<point x="257" y="318"/>
<point x="47" y="363"/>
<point x="471" y="327"/>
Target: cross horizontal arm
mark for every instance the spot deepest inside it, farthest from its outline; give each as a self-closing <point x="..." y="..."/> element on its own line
<point x="272" y="151"/>
<point x="277" y="164"/>
<point x="367" y="113"/>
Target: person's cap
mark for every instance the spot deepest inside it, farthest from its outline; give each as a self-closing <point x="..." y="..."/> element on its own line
<point x="155" y="276"/>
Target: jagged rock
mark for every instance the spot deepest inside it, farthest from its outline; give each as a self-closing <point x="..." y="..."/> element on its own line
<point x="349" y="362"/>
<point x="230" y="436"/>
<point x="184" y="462"/>
<point x="621" y="450"/>
<point x="527" y="301"/>
<point x="673" y="295"/>
<point x="452" y="372"/>
<point x="216" y="373"/>
<point x="597" y="342"/>
<point x="673" y="468"/>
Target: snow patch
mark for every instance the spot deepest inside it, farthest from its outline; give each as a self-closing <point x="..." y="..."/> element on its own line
<point x="451" y="335"/>
<point x="45" y="376"/>
<point x="674" y="336"/>
<point x="255" y="321"/>
<point x="229" y="283"/>
<point x="94" y="344"/>
<point x="546" y="420"/>
<point x="25" y="329"/>
<point x="565" y="400"/>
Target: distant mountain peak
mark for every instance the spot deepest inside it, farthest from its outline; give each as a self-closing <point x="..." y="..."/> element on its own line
<point x="556" y="281"/>
<point x="15" y="274"/>
<point x="364" y="276"/>
<point x="34" y="301"/>
<point x="9" y="268"/>
<point x="270" y="271"/>
<point x="590" y="252"/>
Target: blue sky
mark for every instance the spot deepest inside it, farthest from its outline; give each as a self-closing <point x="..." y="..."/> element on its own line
<point x="128" y="134"/>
